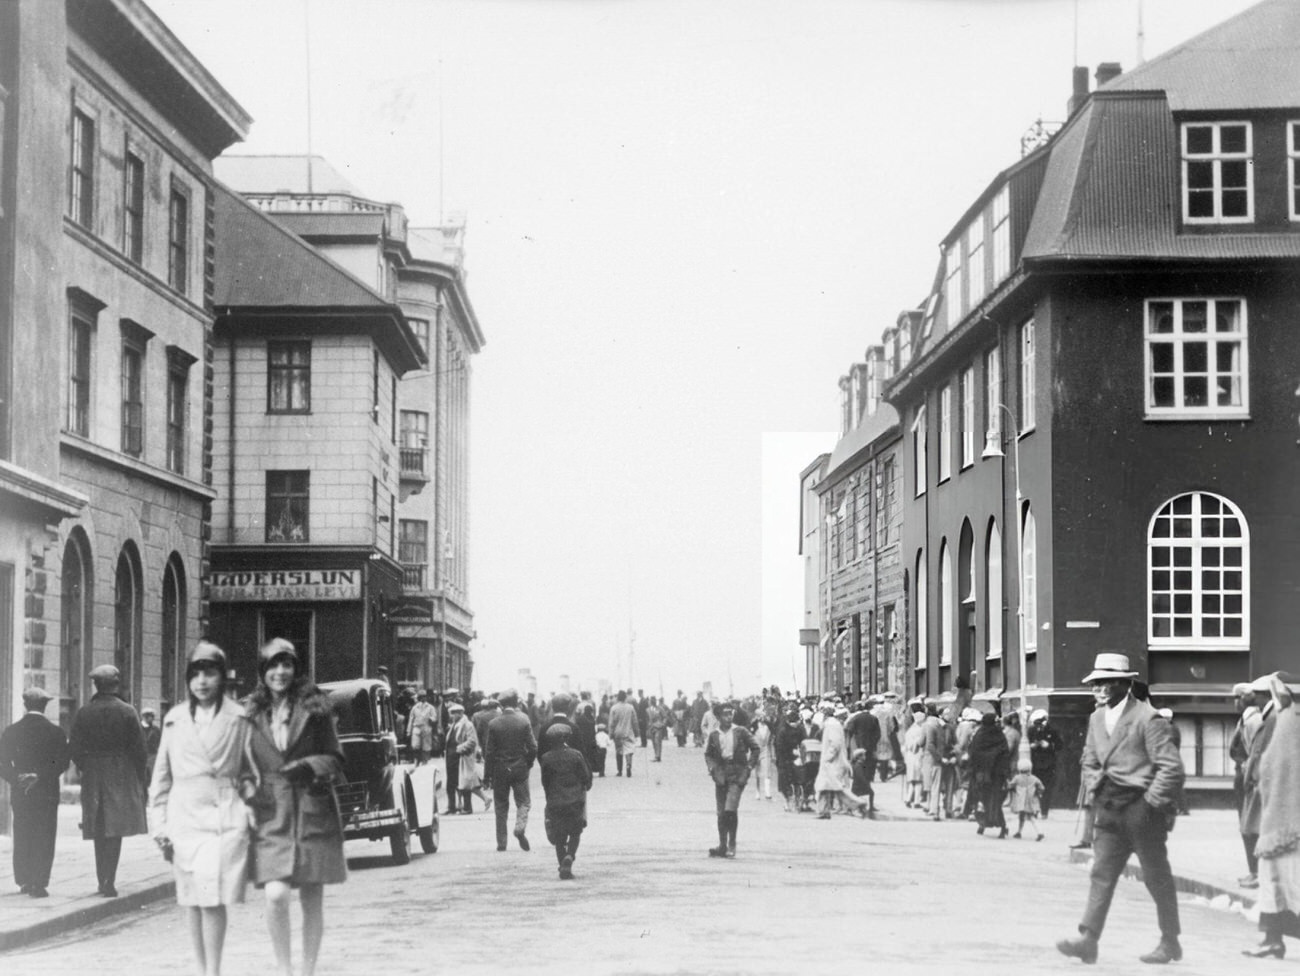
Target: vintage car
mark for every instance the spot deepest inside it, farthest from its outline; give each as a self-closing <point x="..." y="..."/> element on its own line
<point x="384" y="797"/>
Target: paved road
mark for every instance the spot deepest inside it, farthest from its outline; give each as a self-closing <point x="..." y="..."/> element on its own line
<point x="903" y="897"/>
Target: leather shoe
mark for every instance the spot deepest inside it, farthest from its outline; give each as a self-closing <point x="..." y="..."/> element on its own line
<point x="108" y="891"/>
<point x="523" y="841"/>
<point x="1266" y="950"/>
<point x="1084" y="948"/>
<point x="1249" y="881"/>
<point x="718" y="851"/>
<point x="566" y="869"/>
<point x="1168" y="950"/>
<point x="36" y="891"/>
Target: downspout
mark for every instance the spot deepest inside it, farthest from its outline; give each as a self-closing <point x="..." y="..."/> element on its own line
<point x="230" y="474"/>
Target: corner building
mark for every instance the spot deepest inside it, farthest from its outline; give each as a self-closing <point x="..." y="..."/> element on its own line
<point x="1114" y="317"/>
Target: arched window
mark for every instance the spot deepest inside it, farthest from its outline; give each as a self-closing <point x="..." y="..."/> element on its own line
<point x="1198" y="565"/>
<point x="921" y="612"/>
<point x="128" y="621"/>
<point x="76" y="630"/>
<point x="173" y="631"/>
<point x="947" y="604"/>
<point x="993" y="562"/>
<point x="1029" y="587"/>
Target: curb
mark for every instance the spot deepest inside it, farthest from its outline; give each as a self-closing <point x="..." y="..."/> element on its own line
<point x="1188" y="886"/>
<point x="107" y="908"/>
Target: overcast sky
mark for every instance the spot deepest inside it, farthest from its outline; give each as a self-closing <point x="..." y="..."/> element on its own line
<point x="685" y="221"/>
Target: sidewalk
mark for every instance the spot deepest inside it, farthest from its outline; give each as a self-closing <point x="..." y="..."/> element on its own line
<point x="142" y="877"/>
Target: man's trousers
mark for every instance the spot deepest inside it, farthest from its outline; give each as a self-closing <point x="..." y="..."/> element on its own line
<point x="35" y="827"/>
<point x="1136" y="829"/>
<point x="453" y="779"/>
<point x="502" y="786"/>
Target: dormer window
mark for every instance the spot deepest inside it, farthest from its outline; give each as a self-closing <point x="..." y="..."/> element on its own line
<point x="1218" y="175"/>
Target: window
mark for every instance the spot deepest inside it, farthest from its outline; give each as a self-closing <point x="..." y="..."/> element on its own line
<point x="421" y="329"/>
<point x="76" y="619"/>
<point x="993" y="390"/>
<point x="81" y="177"/>
<point x="862" y="512"/>
<point x="967" y="416"/>
<point x="288" y="377"/>
<point x="287" y="497"/>
<point x="884" y="500"/>
<point x="1292" y="169"/>
<point x="413" y="447"/>
<point x="413" y="551"/>
<point x="173" y="628"/>
<point x="952" y="284"/>
<point x="178" y="238"/>
<point x="1029" y="584"/>
<point x="1001" y="235"/>
<point x="1199" y="564"/>
<point x="1196" y="358"/>
<point x="132" y="399"/>
<point x="1027" y="417"/>
<point x="947" y="604"/>
<point x="374" y="388"/>
<point x="975" y="260"/>
<point x="993" y="573"/>
<point x="81" y="336"/>
<point x="846" y="406"/>
<point x="178" y="382"/>
<point x="128" y="620"/>
<point x="919" y="451"/>
<point x="904" y="346"/>
<point x="1218" y="173"/>
<point x="133" y="209"/>
<point x="945" y="433"/>
<point x="921" y="612"/>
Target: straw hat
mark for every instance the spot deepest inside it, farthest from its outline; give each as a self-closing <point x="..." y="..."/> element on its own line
<point x="1109" y="665"/>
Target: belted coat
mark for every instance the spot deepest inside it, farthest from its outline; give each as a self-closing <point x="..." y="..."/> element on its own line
<point x="107" y="744"/>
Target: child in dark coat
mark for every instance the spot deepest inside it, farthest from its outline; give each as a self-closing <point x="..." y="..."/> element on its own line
<point x="566" y="779"/>
<point x="863" y="770"/>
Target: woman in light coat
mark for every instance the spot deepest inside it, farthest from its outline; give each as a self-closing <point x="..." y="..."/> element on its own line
<point x="835" y="774"/>
<point x="463" y="740"/>
<point x="298" y="836"/>
<point x="199" y="817"/>
<point x="422" y="722"/>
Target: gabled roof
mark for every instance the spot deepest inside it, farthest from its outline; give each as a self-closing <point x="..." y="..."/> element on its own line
<point x="262" y="266"/>
<point x="282" y="174"/>
<point x="851" y="446"/>
<point x="1251" y="60"/>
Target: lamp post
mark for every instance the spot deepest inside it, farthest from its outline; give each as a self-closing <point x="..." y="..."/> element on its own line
<point x="992" y="449"/>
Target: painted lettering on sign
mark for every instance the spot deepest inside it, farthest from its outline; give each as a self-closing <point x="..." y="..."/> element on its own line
<point x="244" y="586"/>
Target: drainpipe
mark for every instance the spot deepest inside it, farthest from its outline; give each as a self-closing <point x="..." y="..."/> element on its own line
<point x="230" y="474"/>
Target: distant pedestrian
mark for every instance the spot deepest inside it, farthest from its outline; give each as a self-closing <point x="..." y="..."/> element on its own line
<point x="1045" y="746"/>
<point x="656" y="717"/>
<point x="195" y="800"/>
<point x="33" y="755"/>
<point x="601" y="753"/>
<point x="152" y="739"/>
<point x="624" y="730"/>
<point x="565" y="781"/>
<point x="730" y="754"/>
<point x="835" y="775"/>
<point x="107" y="744"/>
<point x="558" y="714"/>
<point x="766" y="751"/>
<point x="298" y="836"/>
<point x="1132" y="774"/>
<point x="1239" y="750"/>
<point x="681" y="718"/>
<point x="864" y="765"/>
<point x="508" y="759"/>
<point x="462" y="742"/>
<point x="422" y="723"/>
<point x="989" y="759"/>
<point x="699" y="708"/>
<point x="1026" y="797"/>
<point x="642" y="706"/>
<point x="789" y="736"/>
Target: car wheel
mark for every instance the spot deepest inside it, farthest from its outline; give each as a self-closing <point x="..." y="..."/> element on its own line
<point x="400" y="842"/>
<point x="429" y="838"/>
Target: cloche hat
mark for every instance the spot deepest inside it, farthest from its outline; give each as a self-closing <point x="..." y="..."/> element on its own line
<point x="208" y="652"/>
<point x="277" y="647"/>
<point x="1108" y="665"/>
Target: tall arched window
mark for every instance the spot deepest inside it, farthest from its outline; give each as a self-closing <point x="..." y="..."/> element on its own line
<point x="76" y="631"/>
<point x="173" y="629"/>
<point x="128" y="621"/>
<point x="993" y="564"/>
<point x="922" y="612"/>
<point x="947" y="604"/>
<point x="1029" y="587"/>
<point x="1198" y="571"/>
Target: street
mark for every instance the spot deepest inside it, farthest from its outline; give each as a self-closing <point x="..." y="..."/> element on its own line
<point x="646" y="898"/>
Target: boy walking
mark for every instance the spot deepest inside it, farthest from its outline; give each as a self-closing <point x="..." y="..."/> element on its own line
<point x="566" y="780"/>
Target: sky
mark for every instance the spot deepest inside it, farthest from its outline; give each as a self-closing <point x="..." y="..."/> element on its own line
<point x="686" y="220"/>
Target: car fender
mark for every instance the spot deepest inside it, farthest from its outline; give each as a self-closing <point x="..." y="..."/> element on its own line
<point x="422" y="783"/>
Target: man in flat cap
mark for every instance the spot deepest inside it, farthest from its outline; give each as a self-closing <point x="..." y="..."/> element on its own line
<point x="107" y="745"/>
<point x="33" y="755"/>
<point x="1132" y="774"/>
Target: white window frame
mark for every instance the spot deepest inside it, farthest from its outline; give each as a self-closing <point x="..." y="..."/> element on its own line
<point x="967" y="384"/>
<point x="952" y="292"/>
<point x="947" y="604"/>
<point x="996" y="600"/>
<point x="1001" y="235"/>
<point x="1216" y="157"/>
<point x="945" y="432"/>
<point x="920" y="473"/>
<point x="922" y="615"/>
<point x="1198" y="543"/>
<point x="1029" y="580"/>
<point x="1293" y="169"/>
<point x="1180" y="340"/>
<point x="975" y="261"/>
<point x="1028" y="417"/>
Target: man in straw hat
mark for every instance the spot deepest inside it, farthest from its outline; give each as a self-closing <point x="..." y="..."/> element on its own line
<point x="1132" y="774"/>
<point x="33" y="755"/>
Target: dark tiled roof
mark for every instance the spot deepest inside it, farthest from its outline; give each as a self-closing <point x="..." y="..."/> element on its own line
<point x="261" y="264"/>
<point x="1249" y="61"/>
<point x="1112" y="191"/>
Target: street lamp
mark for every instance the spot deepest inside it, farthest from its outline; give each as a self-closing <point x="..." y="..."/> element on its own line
<point x="992" y="449"/>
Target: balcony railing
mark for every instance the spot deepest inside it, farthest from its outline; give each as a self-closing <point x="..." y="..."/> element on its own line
<point x="415" y="461"/>
<point x="413" y="575"/>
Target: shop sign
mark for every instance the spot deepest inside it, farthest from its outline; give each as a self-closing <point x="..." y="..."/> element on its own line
<point x="269" y="585"/>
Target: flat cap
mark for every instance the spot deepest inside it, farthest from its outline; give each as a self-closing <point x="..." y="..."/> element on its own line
<point x="35" y="695"/>
<point x="106" y="672"/>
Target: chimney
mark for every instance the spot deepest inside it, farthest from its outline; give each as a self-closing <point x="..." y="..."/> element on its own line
<point x="1079" y="94"/>
<point x="1106" y="71"/>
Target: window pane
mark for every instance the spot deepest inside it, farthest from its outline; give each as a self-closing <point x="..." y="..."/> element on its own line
<point x="1195" y="316"/>
<point x="1162" y="357"/>
<point x="1182" y="626"/>
<point x="1235" y="203"/>
<point x="1227" y="316"/>
<point x="1210" y="627"/>
<point x="1160" y="603"/>
<point x="1196" y="357"/>
<point x="1232" y="138"/>
<point x="1161" y="317"/>
<point x="1200" y="138"/>
<point x="1196" y="392"/>
<point x="1160" y="579"/>
<point x="1232" y="627"/>
<point x="1200" y="176"/>
<point x="1162" y="392"/>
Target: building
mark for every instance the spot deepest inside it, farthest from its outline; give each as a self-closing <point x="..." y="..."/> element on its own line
<point x="1115" y="313"/>
<point x="308" y="359"/>
<point x="860" y="580"/>
<point x="421" y="270"/>
<point x="109" y="131"/>
<point x="815" y="678"/>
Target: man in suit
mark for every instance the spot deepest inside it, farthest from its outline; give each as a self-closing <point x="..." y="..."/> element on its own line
<point x="1132" y="774"/>
<point x="33" y="755"/>
<point x="107" y="744"/>
<point x="561" y="706"/>
<point x="508" y="758"/>
<point x="730" y="755"/>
